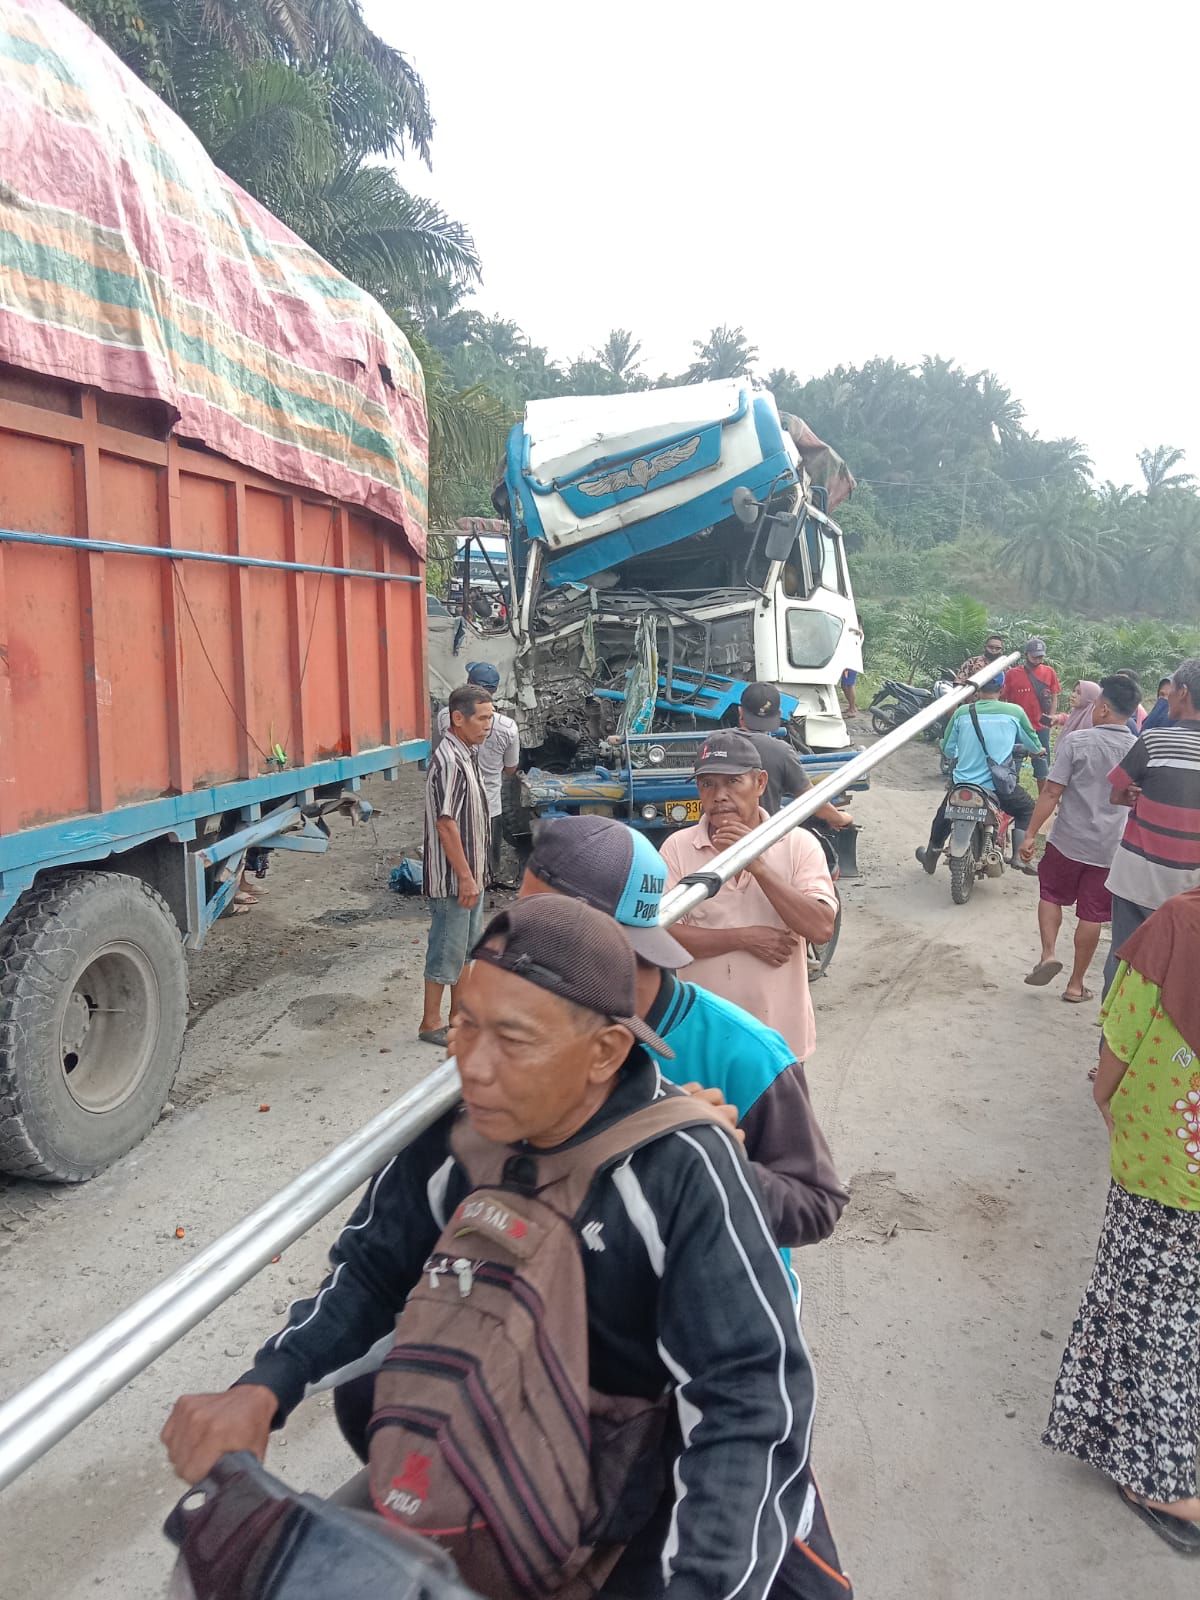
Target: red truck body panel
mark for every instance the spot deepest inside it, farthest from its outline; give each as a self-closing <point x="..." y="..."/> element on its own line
<point x="127" y="677"/>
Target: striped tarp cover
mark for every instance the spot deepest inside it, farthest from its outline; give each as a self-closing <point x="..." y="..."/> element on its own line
<point x="130" y="263"/>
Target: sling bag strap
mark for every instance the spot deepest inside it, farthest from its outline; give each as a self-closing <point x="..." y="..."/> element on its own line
<point x="1040" y="692"/>
<point x="1003" y="773"/>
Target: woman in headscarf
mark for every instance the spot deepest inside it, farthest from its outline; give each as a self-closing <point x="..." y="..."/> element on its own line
<point x="1083" y="697"/>
<point x="1127" y="1399"/>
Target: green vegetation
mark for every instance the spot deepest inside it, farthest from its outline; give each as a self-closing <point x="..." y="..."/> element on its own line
<point x="913" y="640"/>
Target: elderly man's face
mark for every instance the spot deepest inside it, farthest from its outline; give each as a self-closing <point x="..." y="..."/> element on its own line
<point x="1179" y="703"/>
<point x="532" y="1067"/>
<point x="731" y="794"/>
<point x="475" y="728"/>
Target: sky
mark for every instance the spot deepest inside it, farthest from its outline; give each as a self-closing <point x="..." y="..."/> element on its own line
<point x="1012" y="186"/>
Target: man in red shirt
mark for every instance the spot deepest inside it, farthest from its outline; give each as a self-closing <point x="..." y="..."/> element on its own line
<point x="1034" y="686"/>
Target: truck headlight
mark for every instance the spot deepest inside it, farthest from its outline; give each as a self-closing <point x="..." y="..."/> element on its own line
<point x="656" y="755"/>
<point x="649" y="813"/>
<point x="678" y="812"/>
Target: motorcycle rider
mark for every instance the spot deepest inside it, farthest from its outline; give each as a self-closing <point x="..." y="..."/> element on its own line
<point x="1005" y="727"/>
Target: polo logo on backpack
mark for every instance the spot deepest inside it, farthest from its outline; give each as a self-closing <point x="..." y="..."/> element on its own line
<point x="486" y="1436"/>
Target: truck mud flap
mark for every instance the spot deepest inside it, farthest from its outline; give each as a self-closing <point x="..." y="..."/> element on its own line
<point x="845" y="843"/>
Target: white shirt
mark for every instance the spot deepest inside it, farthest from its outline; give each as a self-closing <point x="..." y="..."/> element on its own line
<point x="501" y="749"/>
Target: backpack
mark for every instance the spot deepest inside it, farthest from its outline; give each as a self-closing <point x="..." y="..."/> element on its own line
<point x="486" y="1436"/>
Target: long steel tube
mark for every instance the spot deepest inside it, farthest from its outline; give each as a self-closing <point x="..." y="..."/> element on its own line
<point x="42" y="1413"/>
<point x="39" y="1415"/>
<point x="684" y="897"/>
<point x="170" y="552"/>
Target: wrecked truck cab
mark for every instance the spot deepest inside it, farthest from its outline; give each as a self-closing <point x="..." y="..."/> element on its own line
<point x="666" y="548"/>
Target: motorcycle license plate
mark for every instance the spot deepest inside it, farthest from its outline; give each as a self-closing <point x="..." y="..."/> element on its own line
<point x="969" y="813"/>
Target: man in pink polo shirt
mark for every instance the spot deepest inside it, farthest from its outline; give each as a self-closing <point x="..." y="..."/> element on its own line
<point x="748" y="942"/>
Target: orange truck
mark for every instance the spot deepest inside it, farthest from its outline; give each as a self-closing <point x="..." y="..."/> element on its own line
<point x="213" y="458"/>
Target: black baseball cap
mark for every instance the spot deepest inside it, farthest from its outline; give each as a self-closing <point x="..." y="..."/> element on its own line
<point x="760" y="707"/>
<point x="728" y="751"/>
<point x="574" y="951"/>
<point x="614" y="868"/>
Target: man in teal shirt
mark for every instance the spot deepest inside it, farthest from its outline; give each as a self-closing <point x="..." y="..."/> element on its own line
<point x="1004" y="727"/>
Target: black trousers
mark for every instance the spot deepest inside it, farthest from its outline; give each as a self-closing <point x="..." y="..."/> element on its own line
<point x="1019" y="807"/>
<point x="811" y="1569"/>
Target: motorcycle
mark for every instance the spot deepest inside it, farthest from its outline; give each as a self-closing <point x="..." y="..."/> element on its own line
<point x="896" y="702"/>
<point x="978" y="843"/>
<point x="244" y="1535"/>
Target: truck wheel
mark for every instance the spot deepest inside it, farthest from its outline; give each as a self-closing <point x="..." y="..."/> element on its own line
<point x="93" y="1007"/>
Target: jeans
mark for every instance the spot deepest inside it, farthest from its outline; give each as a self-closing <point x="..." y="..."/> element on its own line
<point x="1041" y="764"/>
<point x="453" y="933"/>
<point x="1127" y="918"/>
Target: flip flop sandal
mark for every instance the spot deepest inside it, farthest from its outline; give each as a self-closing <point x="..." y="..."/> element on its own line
<point x="245" y="899"/>
<point x="1078" y="999"/>
<point x="1180" y="1535"/>
<point x="235" y="910"/>
<point x="1045" y="972"/>
<point x="436" y="1036"/>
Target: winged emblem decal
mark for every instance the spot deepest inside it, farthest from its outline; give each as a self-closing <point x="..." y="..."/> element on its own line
<point x="641" y="473"/>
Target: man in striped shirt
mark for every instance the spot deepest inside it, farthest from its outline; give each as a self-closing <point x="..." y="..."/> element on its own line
<point x="1159" y="855"/>
<point x="455" y="857"/>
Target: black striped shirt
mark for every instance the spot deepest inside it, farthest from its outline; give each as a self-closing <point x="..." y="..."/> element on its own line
<point x="453" y="789"/>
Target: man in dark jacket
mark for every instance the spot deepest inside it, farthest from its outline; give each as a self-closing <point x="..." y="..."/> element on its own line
<point x="685" y="1290"/>
<point x="760" y="716"/>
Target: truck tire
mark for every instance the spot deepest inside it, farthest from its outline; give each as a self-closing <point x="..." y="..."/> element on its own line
<point x="93" y="1008"/>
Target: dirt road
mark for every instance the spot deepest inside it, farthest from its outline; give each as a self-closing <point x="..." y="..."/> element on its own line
<point x="958" y="1107"/>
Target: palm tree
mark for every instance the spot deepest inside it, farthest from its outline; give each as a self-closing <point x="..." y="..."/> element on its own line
<point x="1000" y="415"/>
<point x="1173" y="559"/>
<point x="726" y="353"/>
<point x="618" y="355"/>
<point x="1055" y="548"/>
<point x="1157" y="467"/>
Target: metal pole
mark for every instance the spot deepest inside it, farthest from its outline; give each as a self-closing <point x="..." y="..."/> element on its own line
<point x="100" y="547"/>
<point x="685" y="896"/>
<point x="38" y="1416"/>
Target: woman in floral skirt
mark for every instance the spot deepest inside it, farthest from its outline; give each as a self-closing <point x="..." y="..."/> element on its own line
<point x="1127" y="1398"/>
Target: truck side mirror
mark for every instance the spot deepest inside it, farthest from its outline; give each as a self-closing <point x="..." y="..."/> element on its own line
<point x="781" y="537"/>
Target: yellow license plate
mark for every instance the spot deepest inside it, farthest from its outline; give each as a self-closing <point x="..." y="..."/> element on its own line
<point x="693" y="810"/>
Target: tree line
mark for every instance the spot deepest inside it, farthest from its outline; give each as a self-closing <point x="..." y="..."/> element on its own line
<point x="306" y="108"/>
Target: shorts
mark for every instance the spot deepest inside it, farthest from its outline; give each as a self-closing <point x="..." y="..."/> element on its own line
<point x="849" y="678"/>
<point x="1065" y="882"/>
<point x="1041" y="764"/>
<point x="453" y="934"/>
